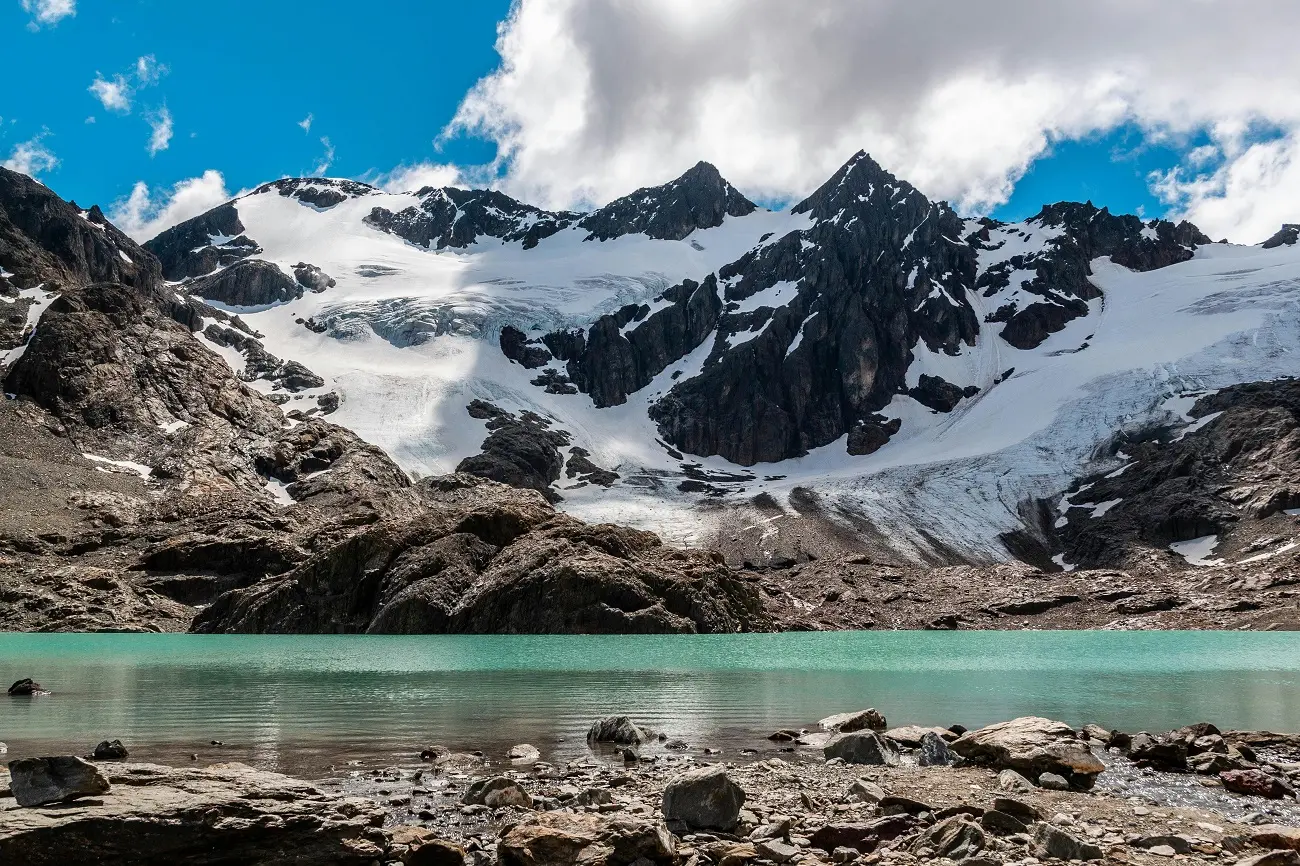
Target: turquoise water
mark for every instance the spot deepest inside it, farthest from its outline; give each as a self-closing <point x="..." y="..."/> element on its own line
<point x="303" y="703"/>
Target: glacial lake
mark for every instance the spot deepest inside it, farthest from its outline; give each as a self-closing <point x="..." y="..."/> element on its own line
<point x="306" y="704"/>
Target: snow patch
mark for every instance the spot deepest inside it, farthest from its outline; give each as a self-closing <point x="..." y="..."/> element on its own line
<point x="126" y="465"/>
<point x="1198" y="550"/>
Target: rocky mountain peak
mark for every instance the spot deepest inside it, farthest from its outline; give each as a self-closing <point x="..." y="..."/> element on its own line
<point x="699" y="199"/>
<point x="321" y="192"/>
<point x="856" y="181"/>
<point x="456" y="218"/>
<point x="1286" y="236"/>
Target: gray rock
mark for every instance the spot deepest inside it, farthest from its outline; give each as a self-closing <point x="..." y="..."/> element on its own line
<point x="1053" y="782"/>
<point x="777" y="851"/>
<point x="1001" y="823"/>
<point x="1050" y="841"/>
<point x="524" y="754"/>
<point x="867" y="791"/>
<point x="248" y="284"/>
<point x="620" y="730"/>
<point x="934" y="751"/>
<point x="110" y="750"/>
<point x="861" y="720"/>
<point x="496" y="791"/>
<point x="1272" y="858"/>
<point x="862" y="747"/>
<point x="956" y="838"/>
<point x="1014" y="783"/>
<point x="1032" y="746"/>
<point x="704" y="799"/>
<point x="36" y="781"/>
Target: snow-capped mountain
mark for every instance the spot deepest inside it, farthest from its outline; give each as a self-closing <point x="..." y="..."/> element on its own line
<point x="867" y="359"/>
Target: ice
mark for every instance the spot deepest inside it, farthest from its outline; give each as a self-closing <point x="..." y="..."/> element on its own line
<point x="1059" y="559"/>
<point x="1198" y="550"/>
<point x="127" y="465"/>
<point x="280" y="492"/>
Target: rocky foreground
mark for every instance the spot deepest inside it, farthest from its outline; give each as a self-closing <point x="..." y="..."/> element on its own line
<point x="1027" y="791"/>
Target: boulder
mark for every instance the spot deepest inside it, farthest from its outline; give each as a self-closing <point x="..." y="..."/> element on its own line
<point x="24" y="688"/>
<point x="956" y="838"/>
<point x="1051" y="841"/>
<point x="434" y="852"/>
<point x="1276" y="836"/>
<point x="564" y="839"/>
<point x="227" y="813"/>
<point x="863" y="836"/>
<point x="619" y="730"/>
<point x="934" y="751"/>
<point x="1014" y="783"/>
<point x="247" y="284"/>
<point x="36" y="781"/>
<point x="704" y="799"/>
<point x="1053" y="782"/>
<point x="776" y="850"/>
<point x="843" y="723"/>
<point x="911" y="735"/>
<point x="866" y="791"/>
<point x="110" y="750"/>
<point x="496" y="791"/>
<point x="862" y="747"/>
<point x="1160" y="753"/>
<point x="1032" y="746"/>
<point x="1256" y="783"/>
<point x="1001" y="823"/>
<point x="1272" y="858"/>
<point x="524" y="754"/>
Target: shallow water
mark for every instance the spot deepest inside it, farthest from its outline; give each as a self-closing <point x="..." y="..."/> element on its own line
<point x="303" y="703"/>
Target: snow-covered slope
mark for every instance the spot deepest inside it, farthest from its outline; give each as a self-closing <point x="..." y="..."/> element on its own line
<point x="1047" y="361"/>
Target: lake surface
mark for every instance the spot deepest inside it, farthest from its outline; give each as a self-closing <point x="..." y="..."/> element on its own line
<point x="303" y="704"/>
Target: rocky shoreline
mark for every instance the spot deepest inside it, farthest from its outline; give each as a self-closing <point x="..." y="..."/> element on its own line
<point x="850" y="790"/>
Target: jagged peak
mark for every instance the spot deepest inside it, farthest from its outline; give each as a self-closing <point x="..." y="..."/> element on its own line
<point x="700" y="198"/>
<point x="856" y="180"/>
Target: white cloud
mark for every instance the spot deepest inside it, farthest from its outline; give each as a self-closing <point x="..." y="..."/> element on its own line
<point x="327" y="159"/>
<point x="114" y="94"/>
<point x="31" y="157"/>
<point x="592" y="100"/>
<point x="160" y="125"/>
<point x="49" y="12"/>
<point x="305" y="123"/>
<point x="91" y="119"/>
<point x="408" y="178"/>
<point x="144" y="214"/>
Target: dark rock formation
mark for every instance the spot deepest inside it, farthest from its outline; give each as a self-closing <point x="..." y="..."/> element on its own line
<point x="699" y="199"/>
<point x="312" y="278"/>
<point x="456" y="218"/>
<point x="580" y="466"/>
<point x="516" y="346"/>
<point x="1082" y="233"/>
<point x="1286" y="236"/>
<point x="38" y="781"/>
<point x="520" y="451"/>
<point x="247" y="284"/>
<point x="936" y="393"/>
<point x="703" y="799"/>
<point x="1239" y="468"/>
<point x="484" y="558"/>
<point x="188" y="250"/>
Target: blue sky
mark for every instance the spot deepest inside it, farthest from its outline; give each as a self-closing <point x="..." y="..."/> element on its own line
<point x="158" y="92"/>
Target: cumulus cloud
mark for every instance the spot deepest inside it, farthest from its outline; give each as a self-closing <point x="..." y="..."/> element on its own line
<point x="116" y="93"/>
<point x="48" y="12"/>
<point x="408" y="178"/>
<point x="160" y="131"/>
<point x="113" y="93"/>
<point x="592" y="100"/>
<point x="31" y="157"/>
<point x="145" y="213"/>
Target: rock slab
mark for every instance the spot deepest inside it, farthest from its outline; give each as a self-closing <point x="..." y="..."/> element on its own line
<point x="38" y="781"/>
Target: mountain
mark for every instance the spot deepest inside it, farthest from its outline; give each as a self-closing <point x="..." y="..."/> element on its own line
<point x="862" y="389"/>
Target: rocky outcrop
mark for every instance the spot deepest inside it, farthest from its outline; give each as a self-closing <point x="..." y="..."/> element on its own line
<point x="699" y="199"/>
<point x="247" y="284"/>
<point x="457" y="218"/>
<point x="934" y="392"/>
<point x="312" y="278"/>
<point x="483" y="559"/>
<point x="223" y="814"/>
<point x="202" y="244"/>
<point x="522" y="451"/>
<point x="619" y="730"/>
<point x="1078" y="234"/>
<point x="38" y="781"/>
<point x="1285" y="237"/>
<point x="1227" y="478"/>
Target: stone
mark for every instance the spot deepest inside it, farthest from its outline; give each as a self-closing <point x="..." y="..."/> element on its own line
<point x="1018" y="809"/>
<point x="911" y="735"/>
<point x="1256" y="783"/>
<point x="24" y="688"/>
<point x="154" y="814"/>
<point x="1053" y="782"/>
<point x="524" y="754"/>
<point x="1175" y="844"/>
<point x="703" y="799"/>
<point x="620" y="730"/>
<point x="1001" y="823"/>
<point x="1158" y="752"/>
<point x="1032" y="746"/>
<point x="434" y="852"/>
<point x="844" y="855"/>
<point x="248" y="284"/>
<point x="36" y="781"/>
<point x="934" y="751"/>
<point x="956" y="838"/>
<point x="862" y="836"/>
<point x="495" y="792"/>
<point x="861" y="720"/>
<point x="1050" y="841"/>
<point x="110" y="750"/>
<point x="1272" y="858"/>
<point x="862" y="747"/>
<point x="866" y="791"/>
<point x="564" y="839"/>
<point x="895" y="805"/>
<point x="1276" y="836"/>
<point x="1014" y="783"/>
<point x="779" y="828"/>
<point x="776" y="850"/>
